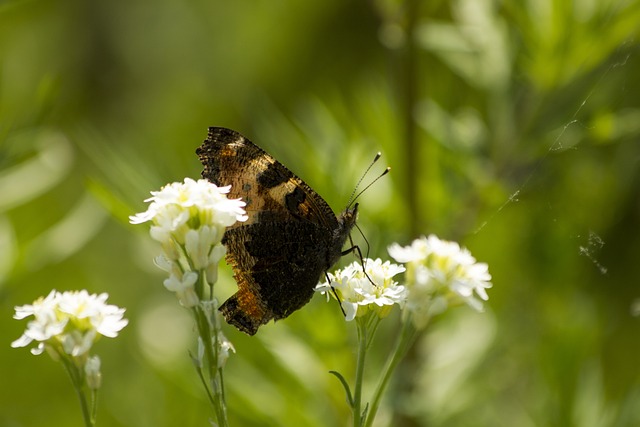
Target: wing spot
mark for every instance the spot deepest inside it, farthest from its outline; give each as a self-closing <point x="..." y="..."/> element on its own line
<point x="274" y="175"/>
<point x="294" y="200"/>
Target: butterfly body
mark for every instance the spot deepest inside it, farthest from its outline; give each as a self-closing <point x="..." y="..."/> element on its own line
<point x="291" y="236"/>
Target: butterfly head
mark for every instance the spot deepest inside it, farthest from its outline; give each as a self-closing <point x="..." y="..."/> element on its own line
<point x="347" y="219"/>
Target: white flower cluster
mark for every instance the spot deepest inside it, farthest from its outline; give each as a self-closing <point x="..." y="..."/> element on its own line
<point x="440" y="273"/>
<point x="189" y="220"/>
<point x="360" y="294"/>
<point x="69" y="322"/>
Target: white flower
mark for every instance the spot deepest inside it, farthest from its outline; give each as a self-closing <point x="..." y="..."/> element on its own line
<point x="168" y="222"/>
<point x="217" y="253"/>
<point x="225" y="348"/>
<point x="104" y="318"/>
<point x="164" y="263"/>
<point x="69" y="322"/>
<point x="76" y="343"/>
<point x="45" y="325"/>
<point x="184" y="287"/>
<point x="357" y="293"/>
<point x="108" y="321"/>
<point x="440" y="273"/>
<point x="42" y="307"/>
<point x="200" y="243"/>
<point x="189" y="220"/>
<point x="193" y="201"/>
<point x="92" y="372"/>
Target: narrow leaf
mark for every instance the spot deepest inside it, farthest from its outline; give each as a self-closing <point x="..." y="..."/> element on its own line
<point x="346" y="387"/>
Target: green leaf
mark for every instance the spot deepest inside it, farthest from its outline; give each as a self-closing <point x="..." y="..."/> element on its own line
<point x="363" y="417"/>
<point x="346" y="387"/>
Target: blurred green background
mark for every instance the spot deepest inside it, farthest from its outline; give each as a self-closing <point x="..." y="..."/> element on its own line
<point x="512" y="127"/>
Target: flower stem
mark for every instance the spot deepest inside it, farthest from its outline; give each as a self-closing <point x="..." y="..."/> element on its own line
<point x="210" y="343"/>
<point x="404" y="341"/>
<point x="209" y="330"/>
<point x="94" y="406"/>
<point x="76" y="379"/>
<point x="362" y="350"/>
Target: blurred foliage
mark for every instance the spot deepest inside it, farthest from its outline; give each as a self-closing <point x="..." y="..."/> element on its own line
<point x="510" y="126"/>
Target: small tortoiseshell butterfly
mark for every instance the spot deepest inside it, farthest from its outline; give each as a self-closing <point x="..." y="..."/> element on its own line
<point x="291" y="237"/>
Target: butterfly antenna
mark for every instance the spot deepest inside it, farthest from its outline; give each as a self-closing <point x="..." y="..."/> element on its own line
<point x="352" y="198"/>
<point x="386" y="171"/>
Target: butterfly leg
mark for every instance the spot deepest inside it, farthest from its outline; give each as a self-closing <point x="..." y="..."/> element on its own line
<point x="335" y="294"/>
<point x="356" y="248"/>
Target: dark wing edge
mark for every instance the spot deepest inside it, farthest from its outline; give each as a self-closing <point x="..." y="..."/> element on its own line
<point x="229" y="158"/>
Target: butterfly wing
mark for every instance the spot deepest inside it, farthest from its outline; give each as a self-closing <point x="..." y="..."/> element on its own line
<point x="276" y="266"/>
<point x="279" y="253"/>
<point x="271" y="191"/>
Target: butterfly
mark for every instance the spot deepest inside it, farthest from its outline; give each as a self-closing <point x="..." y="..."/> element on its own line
<point x="291" y="238"/>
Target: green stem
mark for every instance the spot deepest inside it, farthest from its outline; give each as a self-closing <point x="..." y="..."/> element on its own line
<point x="208" y="329"/>
<point x="217" y="325"/>
<point x="404" y="341"/>
<point x="362" y="350"/>
<point x="214" y="388"/>
<point x="94" y="406"/>
<point x="217" y="372"/>
<point x="77" y="379"/>
<point x="372" y="328"/>
<point x="206" y="386"/>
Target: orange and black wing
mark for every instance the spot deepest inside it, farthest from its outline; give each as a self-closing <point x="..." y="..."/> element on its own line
<point x="270" y="190"/>
<point x="279" y="253"/>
